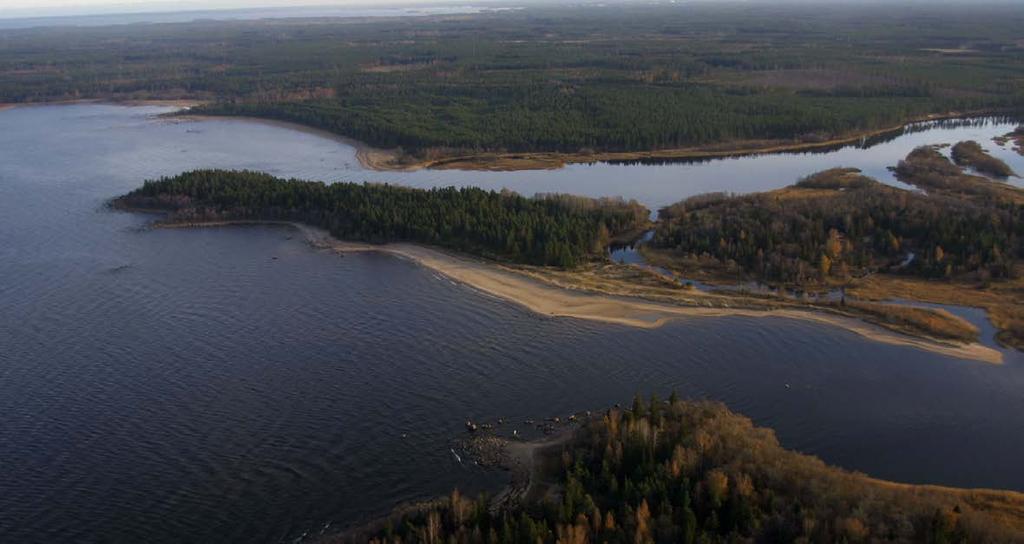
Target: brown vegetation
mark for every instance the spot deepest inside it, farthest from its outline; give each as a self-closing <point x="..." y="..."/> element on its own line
<point x="1003" y="301"/>
<point x="970" y="153"/>
<point x="839" y="229"/>
<point x="938" y="323"/>
<point x="1017" y="137"/>
<point x="838" y="225"/>
<point x="928" y="169"/>
<point x="456" y="159"/>
<point x="649" y="284"/>
<point x="696" y="472"/>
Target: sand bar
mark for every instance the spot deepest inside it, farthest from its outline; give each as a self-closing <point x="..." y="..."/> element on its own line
<point x="549" y="300"/>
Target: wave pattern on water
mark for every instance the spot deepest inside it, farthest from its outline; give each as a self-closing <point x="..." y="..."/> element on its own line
<point x="187" y="386"/>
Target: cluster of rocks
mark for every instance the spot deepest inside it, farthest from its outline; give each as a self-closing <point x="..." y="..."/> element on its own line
<point x="546" y="426"/>
<point x="486" y="450"/>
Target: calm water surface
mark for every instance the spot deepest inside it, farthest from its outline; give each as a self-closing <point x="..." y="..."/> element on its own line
<point x="653" y="185"/>
<point x="236" y="385"/>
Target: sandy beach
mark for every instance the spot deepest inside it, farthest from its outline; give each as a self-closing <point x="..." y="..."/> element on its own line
<point x="180" y="104"/>
<point x="512" y="286"/>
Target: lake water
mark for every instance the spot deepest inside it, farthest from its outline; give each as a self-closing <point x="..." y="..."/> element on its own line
<point x="236" y="385"/>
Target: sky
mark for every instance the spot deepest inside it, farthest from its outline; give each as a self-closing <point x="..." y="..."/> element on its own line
<point x="32" y="8"/>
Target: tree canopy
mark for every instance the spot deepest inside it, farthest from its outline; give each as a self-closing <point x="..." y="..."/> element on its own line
<point x="549" y="229"/>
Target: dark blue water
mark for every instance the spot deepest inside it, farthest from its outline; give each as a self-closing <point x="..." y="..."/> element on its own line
<point x="236" y="385"/>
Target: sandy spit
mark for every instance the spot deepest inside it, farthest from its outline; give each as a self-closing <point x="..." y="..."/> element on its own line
<point x="369" y="157"/>
<point x="541" y="298"/>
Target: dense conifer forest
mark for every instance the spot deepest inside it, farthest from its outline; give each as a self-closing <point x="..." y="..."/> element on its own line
<point x="554" y="78"/>
<point x="838" y="224"/>
<point x="684" y="472"/>
<point x="550" y="229"/>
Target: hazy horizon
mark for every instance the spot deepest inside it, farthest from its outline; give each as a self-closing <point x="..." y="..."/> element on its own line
<point x="62" y="8"/>
<point x="24" y="9"/>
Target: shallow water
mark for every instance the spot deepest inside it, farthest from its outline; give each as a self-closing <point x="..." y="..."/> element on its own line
<point x="234" y="384"/>
<point x="654" y="185"/>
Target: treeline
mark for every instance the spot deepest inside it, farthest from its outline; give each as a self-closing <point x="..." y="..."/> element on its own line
<point x="552" y="78"/>
<point x="839" y="224"/>
<point x="548" y="117"/>
<point x="681" y="472"/>
<point x="559" y="230"/>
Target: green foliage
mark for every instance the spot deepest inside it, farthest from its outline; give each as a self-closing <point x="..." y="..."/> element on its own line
<point x="840" y="224"/>
<point x="695" y="472"/>
<point x="559" y="230"/>
<point x="553" y="78"/>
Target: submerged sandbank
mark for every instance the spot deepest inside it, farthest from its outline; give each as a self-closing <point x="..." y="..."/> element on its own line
<point x="537" y="296"/>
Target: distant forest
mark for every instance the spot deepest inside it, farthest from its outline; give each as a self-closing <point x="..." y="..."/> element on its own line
<point x="688" y="473"/>
<point x="552" y="229"/>
<point x="839" y="224"/>
<point x="605" y="78"/>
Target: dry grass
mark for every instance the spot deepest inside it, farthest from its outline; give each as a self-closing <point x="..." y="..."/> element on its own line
<point x="633" y="281"/>
<point x="939" y="323"/>
<point x="1004" y="301"/>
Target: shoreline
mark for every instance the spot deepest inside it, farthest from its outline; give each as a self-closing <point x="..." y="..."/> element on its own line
<point x="367" y="156"/>
<point x="388" y="160"/>
<point x="545" y="299"/>
<point x="532" y="480"/>
<point x="385" y="160"/>
<point x="180" y="103"/>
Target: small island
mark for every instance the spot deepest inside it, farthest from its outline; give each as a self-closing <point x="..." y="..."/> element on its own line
<point x="1016" y="137"/>
<point x="971" y="154"/>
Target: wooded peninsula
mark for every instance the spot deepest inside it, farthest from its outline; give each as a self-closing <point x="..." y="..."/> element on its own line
<point x="549" y="229"/>
<point x="690" y="472"/>
<point x="833" y="231"/>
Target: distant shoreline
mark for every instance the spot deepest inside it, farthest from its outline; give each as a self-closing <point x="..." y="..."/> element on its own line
<point x="542" y="298"/>
<point x="181" y="103"/>
<point x="385" y="160"/>
<point x="388" y="160"/>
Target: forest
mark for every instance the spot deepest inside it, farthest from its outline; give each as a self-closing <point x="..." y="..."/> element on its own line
<point x="548" y="229"/>
<point x="553" y="78"/>
<point x="838" y="225"/>
<point x="684" y="472"/>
